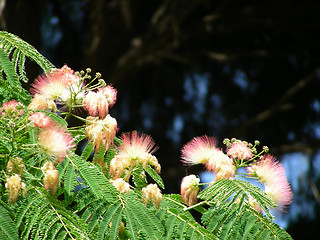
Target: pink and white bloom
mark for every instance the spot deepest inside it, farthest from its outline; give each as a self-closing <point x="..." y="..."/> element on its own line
<point x="189" y="189"/>
<point x="272" y="174"/>
<point x="153" y="193"/>
<point x="101" y="131"/>
<point x="240" y="150"/>
<point x="198" y="150"/>
<point x="40" y="119"/>
<point x="121" y="185"/>
<point x="11" y="109"/>
<point x="56" y="142"/>
<point x="54" y="84"/>
<point x="110" y="93"/>
<point x="138" y="148"/>
<point x="96" y="104"/>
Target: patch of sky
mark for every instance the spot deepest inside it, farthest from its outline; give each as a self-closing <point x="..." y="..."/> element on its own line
<point x="174" y="132"/>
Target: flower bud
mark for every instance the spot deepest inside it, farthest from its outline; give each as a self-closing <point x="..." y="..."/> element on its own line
<point x="13" y="185"/>
<point x="153" y="193"/>
<point x="190" y="189"/>
<point x="121" y="185"/>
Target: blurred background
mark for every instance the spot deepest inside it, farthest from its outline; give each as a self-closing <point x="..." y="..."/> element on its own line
<point x="185" y="68"/>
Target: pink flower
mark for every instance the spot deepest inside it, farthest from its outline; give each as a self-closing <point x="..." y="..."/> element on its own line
<point x="96" y="104"/>
<point x="110" y="93"/>
<point x="55" y="142"/>
<point x="101" y="131"/>
<point x="190" y="189"/>
<point x="198" y="150"/>
<point x="268" y="170"/>
<point x="11" y="109"/>
<point x="40" y="119"/>
<point x="41" y="102"/>
<point x="273" y="175"/>
<point x="239" y="150"/>
<point x="54" y="83"/>
<point x="135" y="149"/>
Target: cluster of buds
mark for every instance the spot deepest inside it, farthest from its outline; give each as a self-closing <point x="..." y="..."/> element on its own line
<point x="14" y="185"/>
<point x="134" y="150"/>
<point x="152" y="193"/>
<point x="101" y="131"/>
<point x="12" y="109"/>
<point x="51" y="177"/>
<point x="264" y="167"/>
<point x="121" y="185"/>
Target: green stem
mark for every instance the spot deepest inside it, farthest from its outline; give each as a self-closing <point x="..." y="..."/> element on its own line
<point x="196" y="205"/>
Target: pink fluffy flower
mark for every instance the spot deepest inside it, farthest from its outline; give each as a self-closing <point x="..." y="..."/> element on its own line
<point x="40" y="119"/>
<point x="54" y="83"/>
<point x="96" y="104"/>
<point x="239" y="150"/>
<point x="101" y="131"/>
<point x="135" y="149"/>
<point x="11" y="109"/>
<point x="198" y="150"/>
<point x="56" y="142"/>
<point x="190" y="189"/>
<point x="221" y="165"/>
<point x="272" y="173"/>
<point x="110" y="93"/>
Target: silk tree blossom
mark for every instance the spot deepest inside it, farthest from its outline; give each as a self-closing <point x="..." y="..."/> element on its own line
<point x="110" y="93"/>
<point x="198" y="150"/>
<point x="240" y="150"/>
<point x="221" y="165"/>
<point x="96" y="104"/>
<point x="41" y="102"/>
<point x="101" y="131"/>
<point x="136" y="149"/>
<point x="12" y="109"/>
<point x="272" y="174"/>
<point x="55" y="141"/>
<point x="190" y="189"/>
<point x="13" y="186"/>
<point x="51" y="177"/>
<point x="152" y="193"/>
<point x="40" y="119"/>
<point x="121" y="185"/>
<point x="54" y="83"/>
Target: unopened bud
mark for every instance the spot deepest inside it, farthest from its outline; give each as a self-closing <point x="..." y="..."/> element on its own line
<point x="153" y="193"/>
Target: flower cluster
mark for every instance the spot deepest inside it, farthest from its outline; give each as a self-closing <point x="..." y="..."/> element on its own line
<point x="134" y="150"/>
<point x="51" y="177"/>
<point x="152" y="193"/>
<point x="262" y="166"/>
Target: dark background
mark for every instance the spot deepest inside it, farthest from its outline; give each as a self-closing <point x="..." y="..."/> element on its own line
<point x="245" y="69"/>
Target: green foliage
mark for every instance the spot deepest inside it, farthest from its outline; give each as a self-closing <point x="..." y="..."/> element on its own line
<point x="13" y="54"/>
<point x="87" y="205"/>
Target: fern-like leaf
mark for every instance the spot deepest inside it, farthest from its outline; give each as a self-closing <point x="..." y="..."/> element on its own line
<point x="225" y="191"/>
<point x="8" y="229"/>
